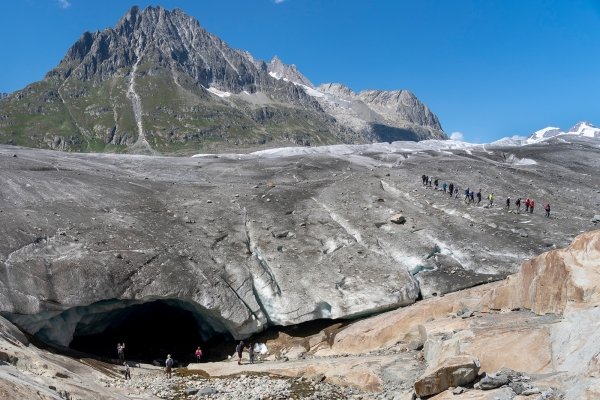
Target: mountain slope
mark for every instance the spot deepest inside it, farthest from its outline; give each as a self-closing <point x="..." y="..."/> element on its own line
<point x="159" y="83"/>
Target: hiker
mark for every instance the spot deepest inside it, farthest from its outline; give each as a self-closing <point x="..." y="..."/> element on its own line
<point x="240" y="349"/>
<point x="168" y="366"/>
<point x="251" y="353"/>
<point x="531" y="204"/>
<point x="518" y="205"/>
<point x="527" y="203"/>
<point x="456" y="193"/>
<point x="121" y="352"/>
<point x="198" y="354"/>
<point x="423" y="179"/>
<point x="430" y="181"/>
<point x="451" y="188"/>
<point x="508" y="203"/>
<point x="471" y="197"/>
<point x="547" y="209"/>
<point x="436" y="184"/>
<point x="127" y="371"/>
<point x="479" y="197"/>
<point x="466" y="195"/>
<point x="491" y="199"/>
<point x="444" y="187"/>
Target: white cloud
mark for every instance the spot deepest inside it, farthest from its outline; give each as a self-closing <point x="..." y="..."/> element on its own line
<point x="279" y="1"/>
<point x="457" y="136"/>
<point x="64" y="4"/>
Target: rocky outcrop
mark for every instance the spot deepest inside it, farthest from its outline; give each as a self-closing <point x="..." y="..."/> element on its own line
<point x="3" y="95"/>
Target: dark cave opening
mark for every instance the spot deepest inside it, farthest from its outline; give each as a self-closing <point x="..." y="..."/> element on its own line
<point x="150" y="331"/>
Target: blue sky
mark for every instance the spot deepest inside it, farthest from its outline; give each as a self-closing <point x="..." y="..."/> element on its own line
<point x="488" y="69"/>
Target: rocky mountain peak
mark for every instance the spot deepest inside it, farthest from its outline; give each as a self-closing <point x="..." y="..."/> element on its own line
<point x="337" y="89"/>
<point x="3" y="95"/>
<point x="279" y="70"/>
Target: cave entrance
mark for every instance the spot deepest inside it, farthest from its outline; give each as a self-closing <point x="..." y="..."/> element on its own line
<point x="149" y="330"/>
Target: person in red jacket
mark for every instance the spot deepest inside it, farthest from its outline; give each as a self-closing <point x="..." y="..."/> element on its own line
<point x="531" y="204"/>
<point x="527" y="202"/>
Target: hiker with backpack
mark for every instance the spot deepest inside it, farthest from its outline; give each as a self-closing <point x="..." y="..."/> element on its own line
<point x="471" y="197"/>
<point x="444" y="187"/>
<point x="436" y="183"/>
<point x="121" y="352"/>
<point x="240" y="349"/>
<point x="451" y="188"/>
<point x="527" y="203"/>
<point x="491" y="199"/>
<point x="168" y="366"/>
<point x="547" y="209"/>
<point x="531" y="204"/>
<point x="466" y="195"/>
<point x="479" y="197"/>
<point x="518" y="205"/>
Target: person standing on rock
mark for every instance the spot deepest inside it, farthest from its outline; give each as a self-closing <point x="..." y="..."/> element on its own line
<point x="518" y="205"/>
<point x="527" y="203"/>
<point x="127" y="371"/>
<point x="240" y="349"/>
<point x="436" y="184"/>
<point x="491" y="199"/>
<point x="198" y="354"/>
<point x="547" y="209"/>
<point x="466" y="195"/>
<point x="479" y="197"/>
<point x="456" y="193"/>
<point x="508" y="203"/>
<point x="471" y="197"/>
<point x="430" y="180"/>
<point x="251" y="353"/>
<point x="444" y="187"/>
<point x="423" y="179"/>
<point x="168" y="366"/>
<point x="121" y="352"/>
<point x="451" y="188"/>
<point x="531" y="204"/>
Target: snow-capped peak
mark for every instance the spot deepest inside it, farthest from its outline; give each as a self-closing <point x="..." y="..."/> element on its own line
<point x="545" y="133"/>
<point x="584" y="128"/>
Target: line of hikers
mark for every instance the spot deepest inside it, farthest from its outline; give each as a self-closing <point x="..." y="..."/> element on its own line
<point x="470" y="195"/>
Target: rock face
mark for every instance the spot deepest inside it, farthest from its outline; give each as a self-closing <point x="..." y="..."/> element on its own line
<point x="159" y="83"/>
<point x="3" y="95"/>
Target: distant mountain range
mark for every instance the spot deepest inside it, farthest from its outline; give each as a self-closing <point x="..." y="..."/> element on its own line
<point x="582" y="128"/>
<point x="158" y="83"/>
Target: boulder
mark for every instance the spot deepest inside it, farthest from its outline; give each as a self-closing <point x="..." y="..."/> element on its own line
<point x="452" y="372"/>
<point x="398" y="219"/>
<point x="493" y="381"/>
<point x="206" y="391"/>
